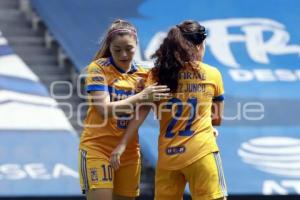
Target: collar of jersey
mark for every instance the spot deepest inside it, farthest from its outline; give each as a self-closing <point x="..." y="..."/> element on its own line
<point x="133" y="67"/>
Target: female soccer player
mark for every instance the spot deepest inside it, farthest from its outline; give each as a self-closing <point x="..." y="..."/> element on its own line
<point x="112" y="84"/>
<point x="187" y="149"/>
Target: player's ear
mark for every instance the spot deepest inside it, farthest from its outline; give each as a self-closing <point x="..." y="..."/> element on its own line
<point x="200" y="46"/>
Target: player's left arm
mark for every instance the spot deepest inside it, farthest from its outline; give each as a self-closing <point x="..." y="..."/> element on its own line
<point x="129" y="134"/>
<point x="140" y="116"/>
<point x="217" y="112"/>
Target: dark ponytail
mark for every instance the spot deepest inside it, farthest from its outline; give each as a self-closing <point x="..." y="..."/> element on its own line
<point x="178" y="48"/>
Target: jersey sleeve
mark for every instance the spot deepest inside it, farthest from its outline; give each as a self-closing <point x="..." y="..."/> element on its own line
<point x="219" y="88"/>
<point x="95" y="79"/>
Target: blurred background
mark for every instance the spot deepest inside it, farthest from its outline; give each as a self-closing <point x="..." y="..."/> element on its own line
<point x="44" y="45"/>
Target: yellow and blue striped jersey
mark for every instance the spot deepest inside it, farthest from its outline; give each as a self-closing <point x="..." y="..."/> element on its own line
<point x="186" y="131"/>
<point x="101" y="135"/>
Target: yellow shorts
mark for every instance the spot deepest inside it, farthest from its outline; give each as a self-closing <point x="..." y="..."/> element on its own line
<point x="205" y="178"/>
<point x="97" y="173"/>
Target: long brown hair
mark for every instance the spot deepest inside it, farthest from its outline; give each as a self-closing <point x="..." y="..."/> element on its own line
<point x="178" y="48"/>
<point x="118" y="27"/>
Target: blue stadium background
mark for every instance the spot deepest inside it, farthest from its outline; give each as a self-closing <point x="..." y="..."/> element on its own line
<point x="256" y="46"/>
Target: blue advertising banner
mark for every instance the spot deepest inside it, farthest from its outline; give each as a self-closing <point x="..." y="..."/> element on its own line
<point x="263" y="160"/>
<point x="38" y="163"/>
<point x="255" y="45"/>
<point x="38" y="145"/>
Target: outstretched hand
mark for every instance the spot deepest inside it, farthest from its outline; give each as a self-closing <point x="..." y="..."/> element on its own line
<point x="156" y="92"/>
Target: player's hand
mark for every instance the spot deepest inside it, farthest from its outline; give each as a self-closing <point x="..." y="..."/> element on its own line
<point x="116" y="155"/>
<point x="216" y="132"/>
<point x="156" y="93"/>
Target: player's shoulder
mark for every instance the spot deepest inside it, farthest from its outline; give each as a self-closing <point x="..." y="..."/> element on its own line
<point x="143" y="66"/>
<point x="101" y="64"/>
<point x="142" y="69"/>
<point x="209" y="68"/>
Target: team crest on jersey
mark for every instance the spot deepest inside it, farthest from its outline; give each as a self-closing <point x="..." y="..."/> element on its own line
<point x="94" y="175"/>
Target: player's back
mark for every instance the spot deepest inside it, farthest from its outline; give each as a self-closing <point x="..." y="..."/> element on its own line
<point x="186" y="132"/>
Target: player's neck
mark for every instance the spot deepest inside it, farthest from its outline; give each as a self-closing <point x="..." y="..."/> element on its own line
<point x="125" y="68"/>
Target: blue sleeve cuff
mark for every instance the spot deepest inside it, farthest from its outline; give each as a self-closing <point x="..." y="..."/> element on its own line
<point x="219" y="98"/>
<point x="90" y="88"/>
